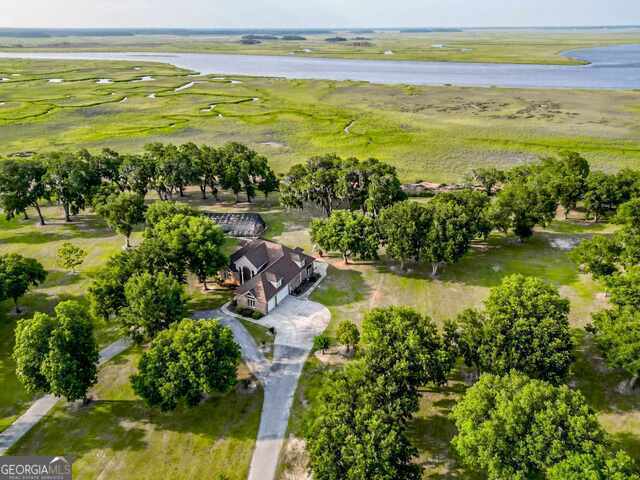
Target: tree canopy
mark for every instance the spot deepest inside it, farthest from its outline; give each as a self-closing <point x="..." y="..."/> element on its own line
<point x="158" y="211"/>
<point x="153" y="303"/>
<point x="350" y="233"/>
<point x="403" y="350"/>
<point x="17" y="275"/>
<point x="522" y="204"/>
<point x="517" y="428"/>
<point x="403" y="227"/>
<point x="524" y="327"/>
<point x="122" y="212"/>
<point x="71" y="180"/>
<point x="329" y="181"/>
<point x="191" y="359"/>
<point x="196" y="240"/>
<point x="57" y="355"/>
<point x="22" y="185"/>
<point x="352" y="435"/>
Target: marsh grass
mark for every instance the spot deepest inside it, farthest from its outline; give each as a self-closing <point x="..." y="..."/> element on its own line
<point x="434" y="133"/>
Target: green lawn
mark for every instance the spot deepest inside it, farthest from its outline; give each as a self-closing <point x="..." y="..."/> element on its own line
<point x="28" y="238"/>
<point x="117" y="436"/>
<point x="350" y="290"/>
<point x="429" y="133"/>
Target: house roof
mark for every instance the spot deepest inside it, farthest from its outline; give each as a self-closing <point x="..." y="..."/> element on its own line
<point x="239" y="224"/>
<point x="280" y="265"/>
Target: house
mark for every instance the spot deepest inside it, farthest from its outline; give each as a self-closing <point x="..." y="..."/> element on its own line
<point x="266" y="273"/>
<point x="239" y="224"/>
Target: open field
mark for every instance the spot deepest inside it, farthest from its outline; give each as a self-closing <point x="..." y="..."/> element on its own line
<point x="29" y="239"/>
<point x="491" y="46"/>
<point x="350" y="290"/>
<point x="434" y="133"/>
<point x="116" y="436"/>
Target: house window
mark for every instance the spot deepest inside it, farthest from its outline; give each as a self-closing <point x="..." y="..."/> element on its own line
<point x="251" y="302"/>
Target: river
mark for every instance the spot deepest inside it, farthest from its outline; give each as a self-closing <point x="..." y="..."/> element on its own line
<point x="610" y="68"/>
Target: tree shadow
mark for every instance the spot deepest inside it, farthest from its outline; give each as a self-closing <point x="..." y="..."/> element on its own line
<point x="629" y="442"/>
<point x="61" y="278"/>
<point x="75" y="431"/>
<point x="85" y="226"/>
<point x="126" y="425"/>
<point x="597" y="382"/>
<point x="488" y="262"/>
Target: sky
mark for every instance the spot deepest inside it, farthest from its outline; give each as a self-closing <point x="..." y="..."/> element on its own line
<point x="316" y="13"/>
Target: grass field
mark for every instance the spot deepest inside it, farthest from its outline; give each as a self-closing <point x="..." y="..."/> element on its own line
<point x="497" y="46"/>
<point x="350" y="290"/>
<point x="27" y="238"/>
<point x="429" y="133"/>
<point x="116" y="436"/>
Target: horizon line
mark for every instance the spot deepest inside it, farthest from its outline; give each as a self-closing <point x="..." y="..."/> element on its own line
<point x="631" y="25"/>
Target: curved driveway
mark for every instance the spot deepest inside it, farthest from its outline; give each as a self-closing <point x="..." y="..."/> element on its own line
<point x="296" y="321"/>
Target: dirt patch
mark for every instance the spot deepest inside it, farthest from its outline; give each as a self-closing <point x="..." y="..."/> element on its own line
<point x="274" y="144"/>
<point x="295" y="460"/>
<point x="335" y="356"/>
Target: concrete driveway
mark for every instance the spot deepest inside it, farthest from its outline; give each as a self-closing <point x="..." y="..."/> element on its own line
<point x="297" y="322"/>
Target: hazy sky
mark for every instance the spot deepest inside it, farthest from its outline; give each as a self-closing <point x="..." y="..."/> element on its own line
<point x="315" y="13"/>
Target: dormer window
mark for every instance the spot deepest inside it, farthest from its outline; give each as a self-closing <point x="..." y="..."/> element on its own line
<point x="274" y="280"/>
<point x="297" y="259"/>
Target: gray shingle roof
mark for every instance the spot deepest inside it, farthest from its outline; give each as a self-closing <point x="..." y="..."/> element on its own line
<point x="283" y="263"/>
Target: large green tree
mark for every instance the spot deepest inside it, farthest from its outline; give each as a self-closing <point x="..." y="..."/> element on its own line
<point x="22" y="185"/>
<point x="403" y="351"/>
<point x="122" y="212"/>
<point x="522" y="204"/>
<point x="72" y="180"/>
<point x="456" y="219"/>
<point x="617" y="334"/>
<point x="601" y="195"/>
<point x="57" y="355"/>
<point x="18" y="274"/>
<point x="159" y="211"/>
<point x="603" y="464"/>
<point x="524" y="327"/>
<point x="568" y="178"/>
<point x="106" y="293"/>
<point x="153" y="303"/>
<point x="137" y="173"/>
<point x="315" y="182"/>
<point x="350" y="233"/>
<point x="197" y="240"/>
<point x="191" y="359"/>
<point x="488" y="178"/>
<point x="515" y="427"/>
<point x="403" y="228"/>
<point x="355" y="435"/>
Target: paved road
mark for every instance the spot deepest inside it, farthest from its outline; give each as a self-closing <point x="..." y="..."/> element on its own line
<point x="297" y="322"/>
<point x="43" y="405"/>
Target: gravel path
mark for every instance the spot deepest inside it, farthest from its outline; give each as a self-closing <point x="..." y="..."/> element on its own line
<point x="43" y="405"/>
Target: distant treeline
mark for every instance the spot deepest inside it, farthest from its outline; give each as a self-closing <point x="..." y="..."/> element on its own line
<point x="124" y="32"/>
<point x="430" y="30"/>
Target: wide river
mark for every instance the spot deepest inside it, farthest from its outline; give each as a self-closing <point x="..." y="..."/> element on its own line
<point x="610" y="67"/>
